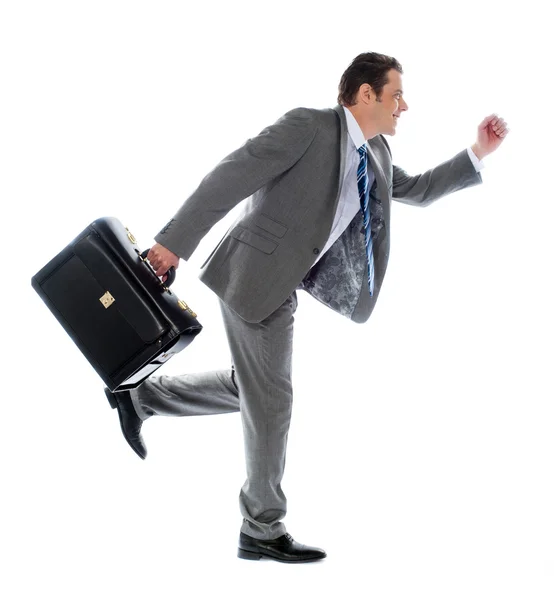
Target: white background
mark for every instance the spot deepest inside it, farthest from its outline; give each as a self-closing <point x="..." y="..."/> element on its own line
<point x="421" y="448"/>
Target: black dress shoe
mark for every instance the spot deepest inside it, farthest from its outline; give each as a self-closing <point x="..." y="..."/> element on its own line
<point x="129" y="420"/>
<point x="283" y="549"/>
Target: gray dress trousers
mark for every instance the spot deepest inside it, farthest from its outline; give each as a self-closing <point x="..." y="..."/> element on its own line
<point x="259" y="385"/>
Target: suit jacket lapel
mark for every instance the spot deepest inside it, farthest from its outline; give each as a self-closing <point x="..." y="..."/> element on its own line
<point x="382" y="186"/>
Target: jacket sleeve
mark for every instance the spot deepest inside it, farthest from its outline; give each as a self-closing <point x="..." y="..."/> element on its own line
<point x="259" y="160"/>
<point x="450" y="176"/>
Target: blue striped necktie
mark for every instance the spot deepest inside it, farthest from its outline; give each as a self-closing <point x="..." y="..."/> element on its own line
<point x="363" y="190"/>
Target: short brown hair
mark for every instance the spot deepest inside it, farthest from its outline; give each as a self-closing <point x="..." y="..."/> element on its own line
<point x="369" y="67"/>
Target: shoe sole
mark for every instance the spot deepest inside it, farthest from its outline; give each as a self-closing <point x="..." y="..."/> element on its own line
<point x="248" y="555"/>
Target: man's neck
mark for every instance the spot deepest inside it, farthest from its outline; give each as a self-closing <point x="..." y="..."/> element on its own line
<point x="368" y="128"/>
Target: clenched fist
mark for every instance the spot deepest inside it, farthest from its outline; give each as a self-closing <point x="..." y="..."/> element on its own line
<point x="161" y="259"/>
<point x="490" y="134"/>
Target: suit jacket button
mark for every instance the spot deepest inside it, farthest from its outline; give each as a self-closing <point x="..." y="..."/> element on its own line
<point x="316" y="250"/>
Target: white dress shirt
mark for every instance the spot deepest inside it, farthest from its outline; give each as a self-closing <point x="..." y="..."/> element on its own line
<point x="349" y="201"/>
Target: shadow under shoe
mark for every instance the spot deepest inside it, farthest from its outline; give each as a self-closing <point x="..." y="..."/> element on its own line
<point x="129" y="420"/>
<point x="283" y="549"/>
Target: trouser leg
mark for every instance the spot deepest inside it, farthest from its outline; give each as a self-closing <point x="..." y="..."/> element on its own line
<point x="207" y="393"/>
<point x="262" y="357"/>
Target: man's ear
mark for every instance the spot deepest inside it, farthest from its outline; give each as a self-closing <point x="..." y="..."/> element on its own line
<point x="366" y="91"/>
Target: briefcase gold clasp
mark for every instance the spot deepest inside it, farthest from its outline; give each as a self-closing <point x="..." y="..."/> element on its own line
<point x="131" y="236"/>
<point x="107" y="300"/>
<point x="185" y="306"/>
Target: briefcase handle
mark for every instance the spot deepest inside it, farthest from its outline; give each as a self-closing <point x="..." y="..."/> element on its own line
<point x="170" y="272"/>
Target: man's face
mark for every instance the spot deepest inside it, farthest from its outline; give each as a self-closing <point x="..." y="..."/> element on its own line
<point x="385" y="113"/>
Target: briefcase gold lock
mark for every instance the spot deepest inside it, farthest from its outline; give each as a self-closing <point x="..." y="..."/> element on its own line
<point x="131" y="236"/>
<point x="185" y="306"/>
<point x="107" y="300"/>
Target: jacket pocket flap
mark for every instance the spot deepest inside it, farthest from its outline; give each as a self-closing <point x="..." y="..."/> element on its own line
<point x="253" y="239"/>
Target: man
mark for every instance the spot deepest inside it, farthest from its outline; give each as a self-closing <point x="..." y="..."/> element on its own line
<point x="319" y="185"/>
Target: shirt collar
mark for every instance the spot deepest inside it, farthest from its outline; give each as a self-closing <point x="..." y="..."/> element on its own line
<point x="356" y="134"/>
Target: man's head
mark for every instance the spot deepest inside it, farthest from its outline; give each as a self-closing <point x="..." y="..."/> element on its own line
<point x="371" y="87"/>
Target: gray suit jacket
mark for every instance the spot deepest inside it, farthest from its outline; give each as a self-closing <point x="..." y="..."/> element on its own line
<point x="291" y="175"/>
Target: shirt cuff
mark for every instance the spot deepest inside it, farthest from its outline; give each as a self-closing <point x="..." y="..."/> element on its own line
<point x="478" y="164"/>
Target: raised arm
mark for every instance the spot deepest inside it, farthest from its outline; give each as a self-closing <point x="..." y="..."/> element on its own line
<point x="421" y="190"/>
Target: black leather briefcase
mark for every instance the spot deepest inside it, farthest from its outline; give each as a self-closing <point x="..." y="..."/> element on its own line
<point x="107" y="297"/>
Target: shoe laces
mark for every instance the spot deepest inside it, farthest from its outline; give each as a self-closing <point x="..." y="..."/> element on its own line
<point x="289" y="537"/>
